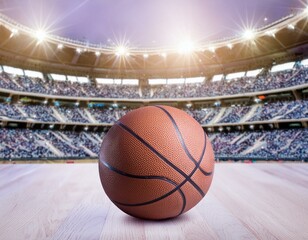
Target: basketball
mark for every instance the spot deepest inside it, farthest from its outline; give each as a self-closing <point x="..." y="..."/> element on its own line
<point x="156" y="163"/>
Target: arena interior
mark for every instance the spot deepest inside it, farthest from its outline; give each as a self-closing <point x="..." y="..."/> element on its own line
<point x="59" y="97"/>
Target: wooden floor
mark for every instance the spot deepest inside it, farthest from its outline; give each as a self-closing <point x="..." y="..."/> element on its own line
<point x="246" y="201"/>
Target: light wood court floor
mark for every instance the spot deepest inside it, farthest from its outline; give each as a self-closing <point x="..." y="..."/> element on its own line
<point x="66" y="201"/>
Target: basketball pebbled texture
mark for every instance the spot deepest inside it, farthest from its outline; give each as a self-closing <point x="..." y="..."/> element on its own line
<point x="156" y="162"/>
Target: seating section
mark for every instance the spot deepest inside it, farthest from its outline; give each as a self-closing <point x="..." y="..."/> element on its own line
<point x="235" y="114"/>
<point x="40" y="144"/>
<point x="31" y="144"/>
<point x="281" y="110"/>
<point x="236" y="86"/>
<point x="263" y="82"/>
<point x="275" y="144"/>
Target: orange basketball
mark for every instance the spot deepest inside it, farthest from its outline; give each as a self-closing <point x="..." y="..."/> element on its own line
<point x="156" y="163"/>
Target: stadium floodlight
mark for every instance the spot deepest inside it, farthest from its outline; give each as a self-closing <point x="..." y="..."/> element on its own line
<point x="40" y="36"/>
<point x="271" y="32"/>
<point x="229" y="45"/>
<point x="60" y="46"/>
<point x="212" y="49"/>
<point x="257" y="100"/>
<point x="186" y="47"/>
<point x="249" y="34"/>
<point x="164" y="55"/>
<point x="121" y="51"/>
<point x="97" y="53"/>
<point x="291" y="27"/>
<point x="217" y="104"/>
<point x="78" y="50"/>
<point x="14" y="32"/>
<point x="145" y="55"/>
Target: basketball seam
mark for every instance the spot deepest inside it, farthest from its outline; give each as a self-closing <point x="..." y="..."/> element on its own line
<point x="178" y="133"/>
<point x="167" y="194"/>
<point x="162" y="157"/>
<point x="187" y="177"/>
<point x="180" y="137"/>
<point x="111" y="168"/>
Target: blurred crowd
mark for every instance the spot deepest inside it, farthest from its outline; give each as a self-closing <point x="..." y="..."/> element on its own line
<point x="263" y="82"/>
<point x="30" y="144"/>
<point x="275" y="144"/>
<point x="266" y="81"/>
<point x="234" y="114"/>
<point x="259" y="112"/>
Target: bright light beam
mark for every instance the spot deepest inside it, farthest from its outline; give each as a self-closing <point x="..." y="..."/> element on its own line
<point x="121" y="51"/>
<point x="14" y="32"/>
<point x="186" y="47"/>
<point x="249" y="34"/>
<point x="40" y="35"/>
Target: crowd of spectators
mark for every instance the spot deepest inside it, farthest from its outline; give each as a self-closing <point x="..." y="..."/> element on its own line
<point x="7" y="82"/>
<point x="107" y="115"/>
<point x="38" y="112"/>
<point x="265" y="81"/>
<point x="11" y="112"/>
<point x="281" y="110"/>
<point x="204" y="116"/>
<point x="85" y="139"/>
<point x="30" y="144"/>
<point x="67" y="88"/>
<point x="207" y="116"/>
<point x="44" y="113"/>
<point x="22" y="144"/>
<point x="234" y="114"/>
<point x="74" y="114"/>
<point x="263" y="112"/>
<point x="274" y="144"/>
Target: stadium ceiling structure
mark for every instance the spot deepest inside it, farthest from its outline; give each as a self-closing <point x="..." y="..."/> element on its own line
<point x="283" y="40"/>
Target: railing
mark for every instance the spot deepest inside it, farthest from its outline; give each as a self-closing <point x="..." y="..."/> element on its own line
<point x="218" y="159"/>
<point x="256" y="158"/>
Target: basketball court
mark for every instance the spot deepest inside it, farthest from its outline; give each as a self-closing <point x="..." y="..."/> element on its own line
<point x="67" y="201"/>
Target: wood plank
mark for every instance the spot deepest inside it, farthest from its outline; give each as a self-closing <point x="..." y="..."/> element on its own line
<point x="66" y="201"/>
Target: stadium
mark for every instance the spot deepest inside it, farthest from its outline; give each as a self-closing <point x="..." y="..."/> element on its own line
<point x="60" y="96"/>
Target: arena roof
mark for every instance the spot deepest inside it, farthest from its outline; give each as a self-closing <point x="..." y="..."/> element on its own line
<point x="147" y="23"/>
<point x="34" y="49"/>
